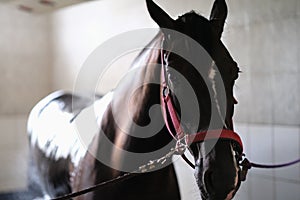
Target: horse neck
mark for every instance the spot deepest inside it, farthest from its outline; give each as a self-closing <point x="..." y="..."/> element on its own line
<point x="133" y="121"/>
<point x="142" y="89"/>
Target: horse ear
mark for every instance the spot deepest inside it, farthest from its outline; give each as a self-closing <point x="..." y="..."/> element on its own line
<point x="159" y="15"/>
<point x="218" y="16"/>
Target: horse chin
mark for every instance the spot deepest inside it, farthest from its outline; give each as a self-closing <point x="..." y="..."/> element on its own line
<point x="206" y="196"/>
<point x="214" y="198"/>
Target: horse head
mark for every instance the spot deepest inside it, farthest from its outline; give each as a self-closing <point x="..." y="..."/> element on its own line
<point x="211" y="73"/>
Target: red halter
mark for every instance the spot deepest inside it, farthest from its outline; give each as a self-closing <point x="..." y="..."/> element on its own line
<point x="169" y="111"/>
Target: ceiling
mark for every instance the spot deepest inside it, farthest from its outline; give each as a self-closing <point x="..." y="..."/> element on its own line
<point x="40" y="6"/>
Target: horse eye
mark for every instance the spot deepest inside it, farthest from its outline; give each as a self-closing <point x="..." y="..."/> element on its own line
<point x="233" y="145"/>
<point x="236" y="73"/>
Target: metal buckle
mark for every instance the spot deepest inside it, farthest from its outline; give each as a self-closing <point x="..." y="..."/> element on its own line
<point x="166" y="91"/>
<point x="181" y="145"/>
<point x="246" y="165"/>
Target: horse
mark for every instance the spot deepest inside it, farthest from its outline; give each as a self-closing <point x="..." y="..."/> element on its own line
<point x="63" y="165"/>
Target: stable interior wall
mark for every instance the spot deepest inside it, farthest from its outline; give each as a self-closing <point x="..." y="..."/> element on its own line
<point x="43" y="53"/>
<point x="79" y="30"/>
<point x="25" y="71"/>
<point x="263" y="37"/>
<point x="25" y="53"/>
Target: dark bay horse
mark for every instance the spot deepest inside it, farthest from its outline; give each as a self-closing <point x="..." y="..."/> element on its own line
<point x="64" y="165"/>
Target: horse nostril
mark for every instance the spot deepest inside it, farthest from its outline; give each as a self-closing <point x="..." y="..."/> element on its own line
<point x="208" y="180"/>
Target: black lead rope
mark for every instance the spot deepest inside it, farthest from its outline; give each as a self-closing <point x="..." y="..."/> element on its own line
<point x="187" y="161"/>
<point x="249" y="165"/>
<point x="97" y="187"/>
<point x="150" y="166"/>
<point x="246" y="163"/>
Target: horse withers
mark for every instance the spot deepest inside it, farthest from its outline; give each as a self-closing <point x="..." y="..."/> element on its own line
<point x="173" y="60"/>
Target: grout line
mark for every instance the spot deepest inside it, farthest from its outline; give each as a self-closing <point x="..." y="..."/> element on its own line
<point x="278" y="179"/>
<point x="268" y="124"/>
<point x="273" y="136"/>
<point x="298" y="80"/>
<point x="248" y="116"/>
<point x="248" y="143"/>
<point x="299" y="149"/>
<point x="274" y="179"/>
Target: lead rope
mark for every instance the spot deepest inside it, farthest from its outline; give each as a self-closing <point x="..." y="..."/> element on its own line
<point x="249" y="165"/>
<point x="150" y="166"/>
<point x="97" y="187"/>
<point x="246" y="165"/>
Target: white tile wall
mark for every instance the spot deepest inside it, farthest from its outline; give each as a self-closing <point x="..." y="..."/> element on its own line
<point x="261" y="189"/>
<point x="13" y="153"/>
<point x="285" y="190"/>
<point x="262" y="38"/>
<point x="287" y="148"/>
<point x="271" y="145"/>
<point x="26" y="58"/>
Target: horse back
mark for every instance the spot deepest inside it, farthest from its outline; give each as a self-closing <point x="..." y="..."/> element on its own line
<point x="54" y="145"/>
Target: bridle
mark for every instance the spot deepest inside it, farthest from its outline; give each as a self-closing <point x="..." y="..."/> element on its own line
<point x="173" y="125"/>
<point x="183" y="140"/>
<point x="170" y="115"/>
<point x="172" y="120"/>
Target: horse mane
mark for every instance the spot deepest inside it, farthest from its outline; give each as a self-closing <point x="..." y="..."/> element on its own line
<point x="150" y="53"/>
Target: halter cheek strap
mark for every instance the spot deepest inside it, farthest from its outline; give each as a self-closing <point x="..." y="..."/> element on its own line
<point x="170" y="112"/>
<point x="174" y="128"/>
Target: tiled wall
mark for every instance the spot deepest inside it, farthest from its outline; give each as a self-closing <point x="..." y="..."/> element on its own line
<point x="13" y="153"/>
<point x="25" y="77"/>
<point x="264" y="40"/>
<point x="25" y="55"/>
<point x="271" y="145"/>
<point x="262" y="37"/>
